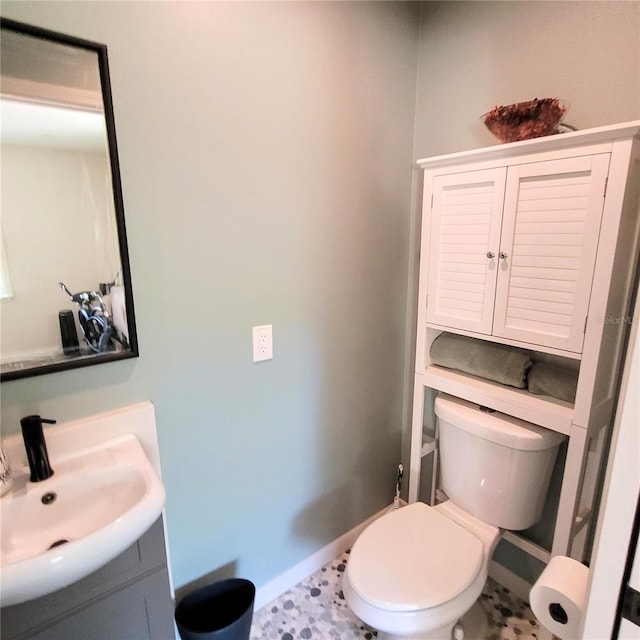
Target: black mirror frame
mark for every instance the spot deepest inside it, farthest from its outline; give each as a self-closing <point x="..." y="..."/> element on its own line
<point x="103" y="64"/>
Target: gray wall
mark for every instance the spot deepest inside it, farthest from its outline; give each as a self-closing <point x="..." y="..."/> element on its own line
<point x="475" y="55"/>
<point x="266" y="158"/>
<point x="266" y="153"/>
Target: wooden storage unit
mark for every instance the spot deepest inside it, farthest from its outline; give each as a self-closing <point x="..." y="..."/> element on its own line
<point x="533" y="244"/>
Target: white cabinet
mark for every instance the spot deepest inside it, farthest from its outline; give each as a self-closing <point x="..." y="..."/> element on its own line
<point x="512" y="249"/>
<point x="533" y="244"/>
<point x="465" y="223"/>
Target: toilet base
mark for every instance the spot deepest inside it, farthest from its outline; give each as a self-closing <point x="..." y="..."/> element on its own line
<point x="474" y="623"/>
<point x="437" y="634"/>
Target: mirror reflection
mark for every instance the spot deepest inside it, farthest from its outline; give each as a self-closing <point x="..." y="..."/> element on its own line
<point x="65" y="288"/>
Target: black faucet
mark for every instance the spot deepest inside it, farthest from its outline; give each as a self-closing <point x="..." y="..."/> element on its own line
<point x="36" y="447"/>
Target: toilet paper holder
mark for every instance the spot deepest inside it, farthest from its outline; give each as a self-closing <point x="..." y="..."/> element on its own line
<point x="558" y="597"/>
<point x="557" y="612"/>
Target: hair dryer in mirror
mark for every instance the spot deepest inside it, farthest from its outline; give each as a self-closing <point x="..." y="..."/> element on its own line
<point x="98" y="329"/>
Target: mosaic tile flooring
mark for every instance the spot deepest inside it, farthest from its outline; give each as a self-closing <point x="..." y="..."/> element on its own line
<point x="315" y="609"/>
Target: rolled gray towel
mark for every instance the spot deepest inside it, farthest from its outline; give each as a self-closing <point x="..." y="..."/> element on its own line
<point x="551" y="380"/>
<point x="491" y="360"/>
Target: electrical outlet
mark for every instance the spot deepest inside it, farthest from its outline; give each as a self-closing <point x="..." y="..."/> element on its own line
<point x="262" y="343"/>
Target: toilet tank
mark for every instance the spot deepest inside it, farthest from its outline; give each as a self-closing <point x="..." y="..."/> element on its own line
<point x="492" y="465"/>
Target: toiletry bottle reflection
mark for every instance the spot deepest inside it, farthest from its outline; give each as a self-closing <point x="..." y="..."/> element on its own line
<point x="5" y="473"/>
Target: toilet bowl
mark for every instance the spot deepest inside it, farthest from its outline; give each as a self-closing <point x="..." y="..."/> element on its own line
<point x="415" y="572"/>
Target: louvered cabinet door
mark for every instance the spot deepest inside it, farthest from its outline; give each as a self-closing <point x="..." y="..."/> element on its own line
<point x="550" y="230"/>
<point x="465" y="222"/>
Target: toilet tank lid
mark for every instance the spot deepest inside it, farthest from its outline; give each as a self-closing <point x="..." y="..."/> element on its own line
<point x="495" y="426"/>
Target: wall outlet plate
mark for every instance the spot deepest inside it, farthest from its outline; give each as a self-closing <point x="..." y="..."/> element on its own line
<point x="262" y="343"/>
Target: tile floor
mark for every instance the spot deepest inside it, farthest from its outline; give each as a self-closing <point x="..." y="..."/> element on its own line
<point x="315" y="609"/>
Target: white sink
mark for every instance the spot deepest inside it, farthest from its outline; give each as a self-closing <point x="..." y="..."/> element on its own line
<point x="99" y="501"/>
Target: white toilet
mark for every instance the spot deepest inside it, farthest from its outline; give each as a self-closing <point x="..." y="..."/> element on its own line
<point x="416" y="571"/>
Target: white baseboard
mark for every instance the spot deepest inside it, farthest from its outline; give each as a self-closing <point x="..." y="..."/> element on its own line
<point x="304" y="569"/>
<point x="510" y="580"/>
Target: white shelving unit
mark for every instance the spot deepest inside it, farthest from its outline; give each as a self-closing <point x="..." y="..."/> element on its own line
<point x="533" y="244"/>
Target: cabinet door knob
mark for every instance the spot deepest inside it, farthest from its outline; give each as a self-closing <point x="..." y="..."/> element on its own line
<point x="503" y="255"/>
<point x="490" y="255"/>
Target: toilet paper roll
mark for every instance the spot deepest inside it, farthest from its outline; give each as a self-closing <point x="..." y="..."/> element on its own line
<point x="558" y="598"/>
<point x="118" y="310"/>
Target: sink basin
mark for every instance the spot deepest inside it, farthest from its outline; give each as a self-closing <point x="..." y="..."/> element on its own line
<point x="99" y="501"/>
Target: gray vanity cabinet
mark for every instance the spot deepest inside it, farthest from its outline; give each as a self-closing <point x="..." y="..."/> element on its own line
<point x="128" y="599"/>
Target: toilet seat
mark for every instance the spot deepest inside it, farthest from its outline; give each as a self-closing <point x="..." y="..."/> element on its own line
<point x="410" y="545"/>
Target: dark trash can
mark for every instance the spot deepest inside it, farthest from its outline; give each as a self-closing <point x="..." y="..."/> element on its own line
<point x="220" y="611"/>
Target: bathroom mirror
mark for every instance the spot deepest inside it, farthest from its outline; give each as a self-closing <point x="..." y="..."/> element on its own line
<point x="65" y="285"/>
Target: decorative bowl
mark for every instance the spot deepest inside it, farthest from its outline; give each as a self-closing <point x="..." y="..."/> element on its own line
<point x="526" y="120"/>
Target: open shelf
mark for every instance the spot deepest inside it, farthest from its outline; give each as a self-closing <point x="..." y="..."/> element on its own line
<point x="545" y="411"/>
<point x="526" y="545"/>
